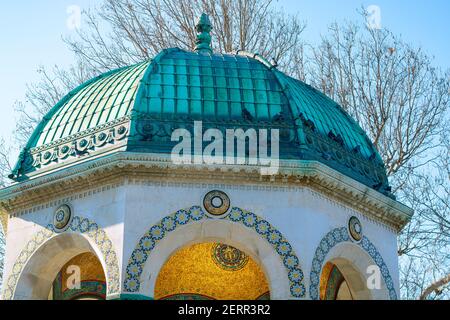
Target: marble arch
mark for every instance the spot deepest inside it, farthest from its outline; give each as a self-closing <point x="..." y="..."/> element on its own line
<point x="241" y="229"/>
<point x="354" y="258"/>
<point x="41" y="258"/>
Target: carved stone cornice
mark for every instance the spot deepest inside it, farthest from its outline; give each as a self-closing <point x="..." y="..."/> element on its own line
<point x="87" y="144"/>
<point x="4" y="220"/>
<point x="123" y="166"/>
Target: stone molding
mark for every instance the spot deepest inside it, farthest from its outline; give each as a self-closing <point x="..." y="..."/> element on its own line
<point x="122" y="166"/>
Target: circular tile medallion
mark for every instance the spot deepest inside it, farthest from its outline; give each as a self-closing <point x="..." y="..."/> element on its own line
<point x="355" y="228"/>
<point x="228" y="257"/>
<point x="62" y="217"/>
<point x="216" y="202"/>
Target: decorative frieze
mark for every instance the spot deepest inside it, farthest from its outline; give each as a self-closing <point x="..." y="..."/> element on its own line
<point x="118" y="167"/>
<point x="74" y="147"/>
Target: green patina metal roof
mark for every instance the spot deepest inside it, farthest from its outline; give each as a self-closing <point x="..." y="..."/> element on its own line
<point x="98" y="101"/>
<point x="224" y="91"/>
<point x="214" y="87"/>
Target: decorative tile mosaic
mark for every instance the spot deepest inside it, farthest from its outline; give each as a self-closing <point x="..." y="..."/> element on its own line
<point x="187" y="296"/>
<point x="92" y="289"/>
<point x="77" y="225"/>
<point x="216" y="202"/>
<point x="228" y="257"/>
<point x="355" y="228"/>
<point x="184" y="216"/>
<point x="61" y="217"/>
<point x="330" y="282"/>
<point x="92" y="279"/>
<point x="335" y="237"/>
<point x="194" y="269"/>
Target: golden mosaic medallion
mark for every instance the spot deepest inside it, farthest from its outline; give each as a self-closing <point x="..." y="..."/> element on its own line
<point x="355" y="228"/>
<point x="216" y="202"/>
<point x="228" y="257"/>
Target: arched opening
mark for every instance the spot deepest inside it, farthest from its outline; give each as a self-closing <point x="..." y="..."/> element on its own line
<point x="340" y="280"/>
<point x="54" y="258"/>
<point x="144" y="265"/>
<point x="333" y="285"/>
<point x="81" y="278"/>
<point x="211" y="270"/>
<point x="360" y="264"/>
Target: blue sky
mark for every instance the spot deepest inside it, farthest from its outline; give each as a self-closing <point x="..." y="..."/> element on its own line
<point x="31" y="31"/>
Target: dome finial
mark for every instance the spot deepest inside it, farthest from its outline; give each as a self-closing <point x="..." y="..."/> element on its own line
<point x="203" y="28"/>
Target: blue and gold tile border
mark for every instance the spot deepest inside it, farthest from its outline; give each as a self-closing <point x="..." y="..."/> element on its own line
<point x="335" y="237"/>
<point x="78" y="225"/>
<point x="182" y="217"/>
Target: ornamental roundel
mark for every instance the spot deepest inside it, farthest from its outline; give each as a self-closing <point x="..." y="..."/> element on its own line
<point x="216" y="202"/>
<point x="355" y="228"/>
<point x="228" y="258"/>
<point x="62" y="217"/>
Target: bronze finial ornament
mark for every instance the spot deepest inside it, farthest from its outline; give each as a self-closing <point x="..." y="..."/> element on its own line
<point x="203" y="28"/>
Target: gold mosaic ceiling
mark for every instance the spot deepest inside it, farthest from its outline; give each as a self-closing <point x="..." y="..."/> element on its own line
<point x="90" y="267"/>
<point x="333" y="285"/>
<point x="213" y="270"/>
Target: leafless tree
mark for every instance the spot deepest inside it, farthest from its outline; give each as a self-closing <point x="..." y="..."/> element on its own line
<point x="402" y="101"/>
<point x="43" y="95"/>
<point x="391" y="88"/>
<point x="122" y="32"/>
<point x="425" y="243"/>
<point x="139" y="29"/>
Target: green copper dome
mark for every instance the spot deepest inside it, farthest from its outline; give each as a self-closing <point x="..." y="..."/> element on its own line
<point x="99" y="101"/>
<point x="136" y="109"/>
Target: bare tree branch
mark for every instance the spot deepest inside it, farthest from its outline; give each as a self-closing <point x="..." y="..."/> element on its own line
<point x="435" y="287"/>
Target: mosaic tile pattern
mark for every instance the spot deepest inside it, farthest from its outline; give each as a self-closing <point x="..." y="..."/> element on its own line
<point x="61" y="217"/>
<point x="335" y="237"/>
<point x="93" y="289"/>
<point x="330" y="282"/>
<point x="77" y="225"/>
<point x="228" y="257"/>
<point x="184" y="216"/>
<point x="188" y="297"/>
<point x="192" y="270"/>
